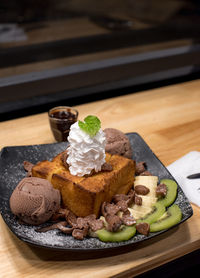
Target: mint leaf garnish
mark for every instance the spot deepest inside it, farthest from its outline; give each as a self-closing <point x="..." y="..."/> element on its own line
<point x="91" y="125"/>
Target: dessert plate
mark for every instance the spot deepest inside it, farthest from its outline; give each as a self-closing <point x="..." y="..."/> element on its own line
<point x="12" y="171"/>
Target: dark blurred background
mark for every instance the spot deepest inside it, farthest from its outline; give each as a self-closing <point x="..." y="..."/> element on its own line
<point x="68" y="52"/>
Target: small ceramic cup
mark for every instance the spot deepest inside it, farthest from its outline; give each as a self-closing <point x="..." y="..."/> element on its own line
<point x="60" y="119"/>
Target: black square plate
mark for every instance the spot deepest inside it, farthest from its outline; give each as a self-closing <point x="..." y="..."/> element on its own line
<point x="12" y="171"/>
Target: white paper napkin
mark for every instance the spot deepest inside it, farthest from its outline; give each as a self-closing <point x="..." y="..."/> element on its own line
<point x="187" y="165"/>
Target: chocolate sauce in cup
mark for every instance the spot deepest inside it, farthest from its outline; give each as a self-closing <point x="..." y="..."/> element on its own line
<point x="60" y="119"/>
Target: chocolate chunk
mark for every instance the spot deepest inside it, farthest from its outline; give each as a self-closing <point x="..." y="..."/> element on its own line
<point x="131" y="196"/>
<point x="161" y="190"/>
<point x="141" y="189"/>
<point x="122" y="205"/>
<point x="106" y="167"/>
<point x="114" y="222"/>
<point x="146" y="173"/>
<point x="89" y="221"/>
<point x="143" y="228"/>
<point x="138" y="200"/>
<point x="90" y="217"/>
<point x="110" y="209"/>
<point x="81" y="223"/>
<point x="28" y="168"/>
<point x="120" y="197"/>
<point x="128" y="219"/>
<point x="78" y="234"/>
<point x="140" y="167"/>
<point x="96" y="224"/>
<point x="72" y="219"/>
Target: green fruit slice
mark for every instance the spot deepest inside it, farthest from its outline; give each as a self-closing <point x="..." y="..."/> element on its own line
<point x="157" y="211"/>
<point x="172" y="218"/>
<point x="171" y="192"/>
<point x="124" y="234"/>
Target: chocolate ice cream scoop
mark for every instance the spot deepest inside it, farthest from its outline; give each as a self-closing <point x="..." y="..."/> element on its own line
<point x="117" y="143"/>
<point x="34" y="200"/>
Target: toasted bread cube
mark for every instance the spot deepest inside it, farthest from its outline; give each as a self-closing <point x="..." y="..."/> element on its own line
<point x="85" y="195"/>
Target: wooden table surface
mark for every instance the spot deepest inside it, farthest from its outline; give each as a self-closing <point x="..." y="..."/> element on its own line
<point x="168" y="119"/>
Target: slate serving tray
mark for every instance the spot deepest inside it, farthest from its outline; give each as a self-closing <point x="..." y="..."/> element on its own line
<point x="12" y="171"/>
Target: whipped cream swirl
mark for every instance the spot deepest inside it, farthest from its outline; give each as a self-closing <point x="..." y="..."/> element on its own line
<point x="85" y="153"/>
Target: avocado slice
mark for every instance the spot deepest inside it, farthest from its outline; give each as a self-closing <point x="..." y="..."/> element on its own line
<point x="172" y="218"/>
<point x="123" y="234"/>
<point x="157" y="211"/>
<point x="171" y="192"/>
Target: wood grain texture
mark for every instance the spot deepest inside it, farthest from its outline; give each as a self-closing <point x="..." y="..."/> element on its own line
<point x="168" y="119"/>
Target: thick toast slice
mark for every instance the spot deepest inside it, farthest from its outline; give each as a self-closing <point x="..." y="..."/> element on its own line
<point x="84" y="195"/>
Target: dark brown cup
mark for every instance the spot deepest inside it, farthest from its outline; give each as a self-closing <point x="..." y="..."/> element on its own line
<point x="60" y="119"/>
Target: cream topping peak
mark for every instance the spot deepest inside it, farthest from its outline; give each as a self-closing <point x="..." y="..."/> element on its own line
<point x="85" y="153"/>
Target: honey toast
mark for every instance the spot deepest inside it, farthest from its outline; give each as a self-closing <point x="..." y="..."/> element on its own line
<point x="84" y="195"/>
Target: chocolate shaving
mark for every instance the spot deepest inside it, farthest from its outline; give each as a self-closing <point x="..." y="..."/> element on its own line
<point x="66" y="230"/>
<point x="51" y="227"/>
<point x="61" y="214"/>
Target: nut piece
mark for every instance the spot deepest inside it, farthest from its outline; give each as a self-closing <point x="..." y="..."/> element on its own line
<point x="141" y="189"/>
